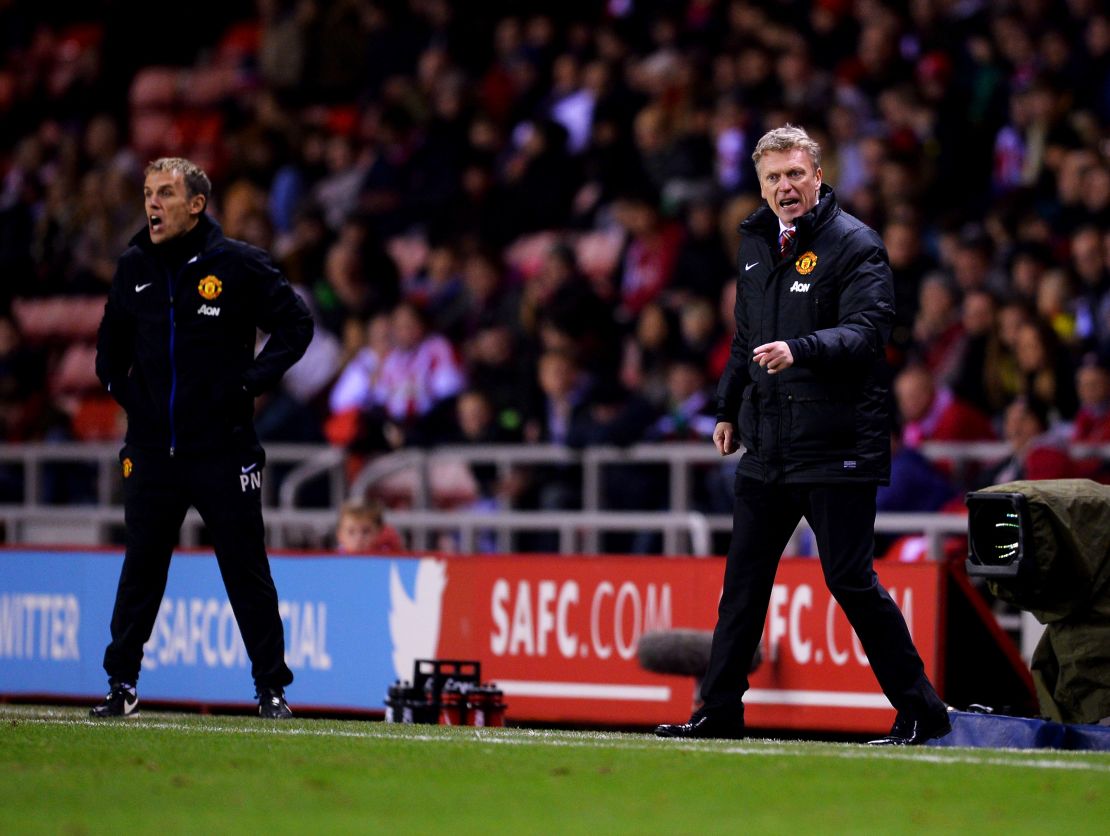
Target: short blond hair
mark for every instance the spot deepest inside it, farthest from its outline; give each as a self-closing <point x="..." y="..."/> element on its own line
<point x="362" y="510"/>
<point x="196" y="181"/>
<point x="787" y="138"/>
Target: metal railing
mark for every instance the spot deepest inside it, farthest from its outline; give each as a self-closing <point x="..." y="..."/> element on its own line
<point x="681" y="532"/>
<point x="681" y="528"/>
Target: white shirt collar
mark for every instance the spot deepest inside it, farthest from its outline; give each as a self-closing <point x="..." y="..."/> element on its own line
<point x="783" y="226"/>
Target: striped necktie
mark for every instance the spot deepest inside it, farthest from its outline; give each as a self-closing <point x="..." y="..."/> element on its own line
<point x="786" y="240"/>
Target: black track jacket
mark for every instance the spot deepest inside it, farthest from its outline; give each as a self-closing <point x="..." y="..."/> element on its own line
<point x="176" y="345"/>
<point x="826" y="418"/>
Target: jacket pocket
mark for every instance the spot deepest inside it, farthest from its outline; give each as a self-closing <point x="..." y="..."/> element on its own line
<point x="822" y="425"/>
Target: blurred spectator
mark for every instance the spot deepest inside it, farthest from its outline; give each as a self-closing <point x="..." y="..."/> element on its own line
<point x="909" y="266"/>
<point x="726" y="321"/>
<point x="702" y="265"/>
<point x="563" y="301"/>
<point x="361" y="530"/>
<point x="476" y="423"/>
<point x="563" y="391"/>
<point x="353" y="392"/>
<point x="559" y="416"/>
<point x="650" y="253"/>
<point x="689" y="411"/>
<point x="402" y="397"/>
<point x="1035" y="452"/>
<point x="916" y="484"/>
<point x="937" y="329"/>
<point x="538" y="165"/>
<point x="1054" y="306"/>
<point x="419" y="379"/>
<point x="1092" y="384"/>
<point x="986" y="374"/>
<point x="1028" y="264"/>
<point x="931" y="413"/>
<point x="698" y="332"/>
<point x="972" y="263"/>
<point x="647" y="351"/>
<point x="360" y="279"/>
<point x="438" y="289"/>
<point x="1046" y="368"/>
<point x="496" y="366"/>
<point x="1092" y="299"/>
<point x="487" y="300"/>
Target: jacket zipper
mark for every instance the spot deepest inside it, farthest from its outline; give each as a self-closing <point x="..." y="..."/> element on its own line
<point x="173" y="364"/>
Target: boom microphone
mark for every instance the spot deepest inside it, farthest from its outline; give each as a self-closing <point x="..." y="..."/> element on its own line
<point x="683" y="652"/>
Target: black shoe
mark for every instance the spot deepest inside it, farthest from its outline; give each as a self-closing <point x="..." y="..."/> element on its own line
<point x="122" y="701"/>
<point x="907" y="732"/>
<point x="272" y="704"/>
<point x="704" y="727"/>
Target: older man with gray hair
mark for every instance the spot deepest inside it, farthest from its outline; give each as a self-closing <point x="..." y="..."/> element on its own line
<point x="805" y="391"/>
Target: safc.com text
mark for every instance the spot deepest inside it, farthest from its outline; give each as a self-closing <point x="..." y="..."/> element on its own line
<point x="815" y="631"/>
<point x="572" y="620"/>
<point x="547" y="616"/>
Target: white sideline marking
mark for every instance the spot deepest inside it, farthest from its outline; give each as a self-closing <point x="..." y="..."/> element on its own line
<point x="616" y="741"/>
<point x="585" y="690"/>
<point x="824" y="699"/>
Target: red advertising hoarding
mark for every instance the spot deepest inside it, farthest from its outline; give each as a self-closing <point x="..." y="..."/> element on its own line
<point x="559" y="636"/>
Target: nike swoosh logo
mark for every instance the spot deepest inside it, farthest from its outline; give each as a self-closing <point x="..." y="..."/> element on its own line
<point x="750" y="266"/>
<point x="139" y="288"/>
<point x="249" y="467"/>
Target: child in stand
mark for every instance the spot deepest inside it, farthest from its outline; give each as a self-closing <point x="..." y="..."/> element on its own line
<point x="361" y="529"/>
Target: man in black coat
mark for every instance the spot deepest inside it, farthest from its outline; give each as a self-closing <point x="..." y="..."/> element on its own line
<point x="805" y="389"/>
<point x="176" y="348"/>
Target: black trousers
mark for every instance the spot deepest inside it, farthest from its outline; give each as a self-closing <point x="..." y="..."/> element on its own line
<point x="157" y="492"/>
<point x="843" y="521"/>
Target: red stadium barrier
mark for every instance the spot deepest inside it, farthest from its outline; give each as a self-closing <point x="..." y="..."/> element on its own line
<point x="559" y="636"/>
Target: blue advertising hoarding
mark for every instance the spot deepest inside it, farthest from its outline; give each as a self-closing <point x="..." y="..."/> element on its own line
<point x="55" y="608"/>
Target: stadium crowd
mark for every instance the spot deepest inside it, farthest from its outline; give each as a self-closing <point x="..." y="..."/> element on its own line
<point x="518" y="221"/>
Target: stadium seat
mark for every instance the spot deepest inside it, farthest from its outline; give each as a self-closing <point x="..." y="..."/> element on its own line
<point x="451" y="485"/>
<point x="58" y="319"/>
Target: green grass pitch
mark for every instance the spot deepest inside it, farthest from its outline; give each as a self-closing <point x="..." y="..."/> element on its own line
<point x="177" y="773"/>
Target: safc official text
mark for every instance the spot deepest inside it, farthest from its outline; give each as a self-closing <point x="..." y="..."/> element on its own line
<point x="203" y="632"/>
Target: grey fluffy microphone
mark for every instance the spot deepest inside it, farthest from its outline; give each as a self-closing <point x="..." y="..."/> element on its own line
<point x="683" y="652"/>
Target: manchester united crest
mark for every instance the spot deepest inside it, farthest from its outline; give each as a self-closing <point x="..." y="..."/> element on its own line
<point x="128" y="466"/>
<point x="210" y="287"/>
<point x="806" y="262"/>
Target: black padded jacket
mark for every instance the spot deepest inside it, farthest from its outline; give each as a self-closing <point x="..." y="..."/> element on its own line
<point x="176" y="346"/>
<point x="826" y="419"/>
